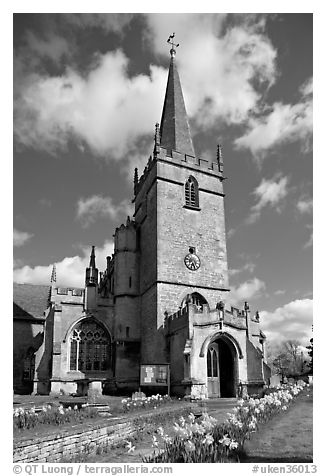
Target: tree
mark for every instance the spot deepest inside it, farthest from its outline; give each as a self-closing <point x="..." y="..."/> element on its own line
<point x="310" y="353"/>
<point x="287" y="358"/>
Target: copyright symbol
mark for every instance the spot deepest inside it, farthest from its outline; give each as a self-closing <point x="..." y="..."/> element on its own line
<point x="17" y="469"/>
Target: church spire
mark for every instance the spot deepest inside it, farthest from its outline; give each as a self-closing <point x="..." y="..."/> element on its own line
<point x="92" y="271"/>
<point x="175" y="132"/>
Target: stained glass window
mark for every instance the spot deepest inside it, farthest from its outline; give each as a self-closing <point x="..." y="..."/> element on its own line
<point x="89" y="347"/>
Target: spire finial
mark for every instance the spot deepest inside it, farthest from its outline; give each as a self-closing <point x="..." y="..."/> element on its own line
<point x="54" y="274"/>
<point x="173" y="50"/>
<point x="92" y="271"/>
<point x="92" y="258"/>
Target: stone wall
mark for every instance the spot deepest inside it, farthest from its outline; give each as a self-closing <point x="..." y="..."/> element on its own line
<point x="66" y="444"/>
<point x="82" y="438"/>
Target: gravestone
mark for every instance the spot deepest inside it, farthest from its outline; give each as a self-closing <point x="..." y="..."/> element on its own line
<point x="275" y="381"/>
<point x="138" y="396"/>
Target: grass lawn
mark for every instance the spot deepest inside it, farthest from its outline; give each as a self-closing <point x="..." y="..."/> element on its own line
<point x="288" y="437"/>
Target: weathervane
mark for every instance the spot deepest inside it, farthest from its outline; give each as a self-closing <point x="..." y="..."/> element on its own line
<point x="174" y="45"/>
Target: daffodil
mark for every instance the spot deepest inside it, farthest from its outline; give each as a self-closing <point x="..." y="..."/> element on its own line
<point x="225" y="441"/>
<point x="208" y="440"/>
<point x="189" y="446"/>
<point x="233" y="445"/>
<point x="130" y="448"/>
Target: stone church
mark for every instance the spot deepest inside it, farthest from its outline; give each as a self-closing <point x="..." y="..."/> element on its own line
<point x="163" y="297"/>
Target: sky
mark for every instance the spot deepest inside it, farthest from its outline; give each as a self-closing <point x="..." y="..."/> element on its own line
<point x="88" y="90"/>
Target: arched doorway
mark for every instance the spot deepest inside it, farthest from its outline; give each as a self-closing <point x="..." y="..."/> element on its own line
<point x="221" y="369"/>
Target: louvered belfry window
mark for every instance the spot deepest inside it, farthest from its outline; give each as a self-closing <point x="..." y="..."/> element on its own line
<point x="191" y="193"/>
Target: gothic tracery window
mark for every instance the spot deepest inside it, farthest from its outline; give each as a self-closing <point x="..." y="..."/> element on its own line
<point x="89" y="347"/>
<point x="191" y="193"/>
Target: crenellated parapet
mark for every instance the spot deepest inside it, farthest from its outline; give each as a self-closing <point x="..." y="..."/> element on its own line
<point x="65" y="295"/>
<point x="202" y="316"/>
<point x="160" y="153"/>
<point x="125" y="237"/>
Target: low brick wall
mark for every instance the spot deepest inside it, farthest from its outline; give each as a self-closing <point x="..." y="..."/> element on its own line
<point x="83" y="438"/>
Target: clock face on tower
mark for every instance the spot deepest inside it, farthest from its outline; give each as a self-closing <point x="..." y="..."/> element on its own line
<point x="192" y="261"/>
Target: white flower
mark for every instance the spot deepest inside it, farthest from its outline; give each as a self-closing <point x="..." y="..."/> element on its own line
<point x="160" y="431"/>
<point x="76" y="407"/>
<point x="189" y="446"/>
<point x="225" y="441"/>
<point x="241" y="402"/>
<point x="196" y="428"/>
<point x="208" y="440"/>
<point x="182" y="421"/>
<point x="191" y="417"/>
<point x="233" y="445"/>
<point x="167" y="439"/>
<point x="155" y="442"/>
<point x="130" y="447"/>
<point x="252" y="425"/>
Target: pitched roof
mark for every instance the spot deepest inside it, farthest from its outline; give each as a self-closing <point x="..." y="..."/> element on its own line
<point x="30" y="301"/>
<point x="175" y="132"/>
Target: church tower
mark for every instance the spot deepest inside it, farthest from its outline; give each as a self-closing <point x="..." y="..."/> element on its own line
<point x="179" y="215"/>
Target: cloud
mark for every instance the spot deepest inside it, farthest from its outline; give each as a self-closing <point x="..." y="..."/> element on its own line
<point x="282" y="123"/>
<point x="219" y="59"/>
<point x="70" y="270"/>
<point x="52" y="46"/>
<point x="268" y="193"/>
<point x="108" y="111"/>
<point x="103" y="108"/>
<point x="291" y="321"/>
<point x="109" y="22"/>
<point x="279" y="292"/>
<point x="248" y="267"/>
<point x="309" y="243"/>
<point x="89" y="209"/>
<point x="305" y="205"/>
<point x="21" y="237"/>
<point x="248" y="290"/>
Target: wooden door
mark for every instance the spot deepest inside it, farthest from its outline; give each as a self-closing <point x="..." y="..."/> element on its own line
<point x="213" y="371"/>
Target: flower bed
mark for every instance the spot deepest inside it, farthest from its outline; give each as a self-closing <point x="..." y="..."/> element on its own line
<point x="24" y="419"/>
<point x="208" y="441"/>
<point x="146" y="403"/>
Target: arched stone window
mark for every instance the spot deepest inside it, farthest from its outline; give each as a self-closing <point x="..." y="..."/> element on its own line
<point x="191" y="193"/>
<point x="90" y="347"/>
<point x="194" y="298"/>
